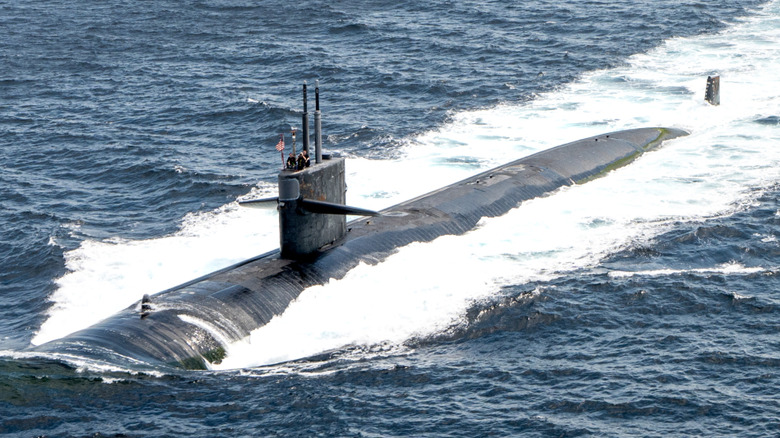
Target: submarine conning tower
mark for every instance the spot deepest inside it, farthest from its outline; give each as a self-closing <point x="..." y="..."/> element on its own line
<point x="309" y="218"/>
<point x="302" y="232"/>
<point x="311" y="201"/>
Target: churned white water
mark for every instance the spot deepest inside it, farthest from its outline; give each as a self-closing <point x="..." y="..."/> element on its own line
<point x="426" y="287"/>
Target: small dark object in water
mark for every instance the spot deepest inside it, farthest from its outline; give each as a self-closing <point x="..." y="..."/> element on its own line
<point x="713" y="90"/>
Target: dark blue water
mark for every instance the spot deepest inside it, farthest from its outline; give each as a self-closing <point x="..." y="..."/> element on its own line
<point x="119" y="119"/>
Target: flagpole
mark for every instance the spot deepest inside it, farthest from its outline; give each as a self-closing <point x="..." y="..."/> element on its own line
<point x="280" y="148"/>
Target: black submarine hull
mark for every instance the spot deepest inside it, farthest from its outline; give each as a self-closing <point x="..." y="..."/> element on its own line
<point x="190" y="325"/>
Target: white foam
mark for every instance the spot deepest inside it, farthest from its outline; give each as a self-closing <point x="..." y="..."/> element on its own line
<point x="426" y="287"/>
<point x="731" y="268"/>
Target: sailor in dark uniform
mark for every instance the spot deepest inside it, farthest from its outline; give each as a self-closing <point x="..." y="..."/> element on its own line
<point x="303" y="160"/>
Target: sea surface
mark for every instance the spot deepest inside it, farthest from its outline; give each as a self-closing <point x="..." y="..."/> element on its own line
<point x="645" y="303"/>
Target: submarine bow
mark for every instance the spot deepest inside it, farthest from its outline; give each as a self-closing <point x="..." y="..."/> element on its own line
<point x="190" y="325"/>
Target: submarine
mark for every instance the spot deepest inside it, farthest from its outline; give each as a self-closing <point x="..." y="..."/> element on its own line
<point x="190" y="325"/>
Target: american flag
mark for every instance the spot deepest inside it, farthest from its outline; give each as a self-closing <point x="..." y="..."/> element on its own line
<point x="280" y="145"/>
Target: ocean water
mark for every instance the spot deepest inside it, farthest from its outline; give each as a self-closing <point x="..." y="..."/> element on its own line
<point x="643" y="303"/>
